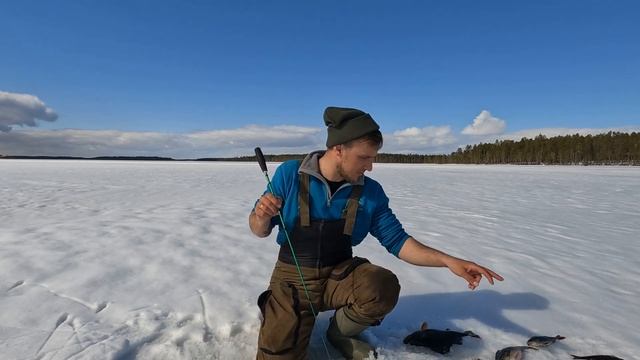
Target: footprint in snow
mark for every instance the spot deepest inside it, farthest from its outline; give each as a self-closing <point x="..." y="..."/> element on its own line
<point x="18" y="283"/>
<point x="101" y="306"/>
<point x="62" y="319"/>
<point x="184" y="321"/>
<point x="59" y="322"/>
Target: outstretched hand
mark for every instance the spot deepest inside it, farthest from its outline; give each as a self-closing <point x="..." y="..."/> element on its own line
<point x="472" y="272"/>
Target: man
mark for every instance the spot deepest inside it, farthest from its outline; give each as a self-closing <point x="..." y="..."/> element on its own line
<point x="328" y="206"/>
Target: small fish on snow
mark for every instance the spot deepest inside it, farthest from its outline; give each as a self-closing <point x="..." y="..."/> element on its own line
<point x="543" y="341"/>
<point x="512" y="353"/>
<point x="439" y="341"/>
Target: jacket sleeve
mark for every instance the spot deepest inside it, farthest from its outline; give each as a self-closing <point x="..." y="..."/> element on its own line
<point x="385" y="226"/>
<point x="279" y="182"/>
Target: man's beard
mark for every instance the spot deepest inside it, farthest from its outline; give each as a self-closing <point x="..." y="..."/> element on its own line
<point x="343" y="173"/>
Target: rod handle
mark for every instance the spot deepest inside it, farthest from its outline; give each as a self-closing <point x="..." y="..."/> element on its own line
<point x="261" y="161"/>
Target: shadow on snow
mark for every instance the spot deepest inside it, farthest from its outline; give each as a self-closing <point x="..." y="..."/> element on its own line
<point x="485" y="306"/>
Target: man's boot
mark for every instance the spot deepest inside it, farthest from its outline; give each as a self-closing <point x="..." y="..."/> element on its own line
<point x="342" y="334"/>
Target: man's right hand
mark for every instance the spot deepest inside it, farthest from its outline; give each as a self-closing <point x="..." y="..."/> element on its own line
<point x="268" y="206"/>
<point x="260" y="218"/>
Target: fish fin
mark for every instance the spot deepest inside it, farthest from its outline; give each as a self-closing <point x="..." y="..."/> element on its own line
<point x="424" y="326"/>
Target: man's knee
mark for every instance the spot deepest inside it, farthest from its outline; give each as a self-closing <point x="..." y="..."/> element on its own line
<point x="286" y="324"/>
<point x="376" y="291"/>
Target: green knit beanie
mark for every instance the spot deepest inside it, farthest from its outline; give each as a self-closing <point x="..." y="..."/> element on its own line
<point x="346" y="124"/>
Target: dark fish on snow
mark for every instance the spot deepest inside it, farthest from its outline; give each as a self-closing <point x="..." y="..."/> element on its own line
<point x="439" y="341"/>
<point x="597" y="357"/>
<point x="512" y="352"/>
<point x="543" y="341"/>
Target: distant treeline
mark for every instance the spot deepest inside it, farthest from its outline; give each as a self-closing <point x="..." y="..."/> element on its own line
<point x="612" y="148"/>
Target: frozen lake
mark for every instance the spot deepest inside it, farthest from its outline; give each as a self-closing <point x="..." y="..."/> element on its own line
<point x="154" y="260"/>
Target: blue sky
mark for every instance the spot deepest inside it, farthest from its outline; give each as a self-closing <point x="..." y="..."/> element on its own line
<point x="204" y="78"/>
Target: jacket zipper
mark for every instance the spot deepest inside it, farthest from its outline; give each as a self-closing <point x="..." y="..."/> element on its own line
<point x="327" y="188"/>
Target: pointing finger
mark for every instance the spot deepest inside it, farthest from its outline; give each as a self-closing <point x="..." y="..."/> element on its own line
<point x="487" y="275"/>
<point x="491" y="275"/>
<point x="495" y="275"/>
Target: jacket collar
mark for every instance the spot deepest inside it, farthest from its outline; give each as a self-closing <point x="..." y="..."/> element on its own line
<point x="311" y="166"/>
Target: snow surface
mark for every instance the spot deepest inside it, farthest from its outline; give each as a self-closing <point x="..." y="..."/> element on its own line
<point x="154" y="260"/>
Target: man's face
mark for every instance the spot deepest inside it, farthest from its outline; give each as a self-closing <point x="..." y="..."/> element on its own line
<point x="354" y="160"/>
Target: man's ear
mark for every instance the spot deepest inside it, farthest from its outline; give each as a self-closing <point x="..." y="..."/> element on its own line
<point x="339" y="150"/>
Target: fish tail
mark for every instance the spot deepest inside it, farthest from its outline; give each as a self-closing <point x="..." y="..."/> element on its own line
<point x="558" y="337"/>
<point x="472" y="334"/>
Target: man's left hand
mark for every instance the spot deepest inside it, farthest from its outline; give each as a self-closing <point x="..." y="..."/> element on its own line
<point x="472" y="272"/>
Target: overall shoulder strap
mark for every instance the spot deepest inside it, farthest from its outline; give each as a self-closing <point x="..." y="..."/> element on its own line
<point x="303" y="198"/>
<point x="352" y="209"/>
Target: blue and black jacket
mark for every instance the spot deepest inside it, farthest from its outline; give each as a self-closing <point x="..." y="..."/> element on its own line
<point x="374" y="215"/>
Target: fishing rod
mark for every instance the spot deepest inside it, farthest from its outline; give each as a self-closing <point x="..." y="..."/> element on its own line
<point x="265" y="171"/>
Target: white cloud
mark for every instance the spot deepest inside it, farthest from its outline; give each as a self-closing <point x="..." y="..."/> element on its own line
<point x="485" y="124"/>
<point x="23" y="110"/>
<point x="241" y="141"/>
<point x="419" y="140"/>
<point x="283" y="136"/>
<point x="216" y="143"/>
